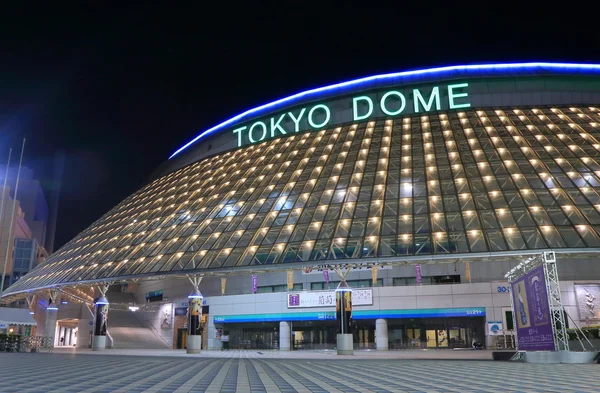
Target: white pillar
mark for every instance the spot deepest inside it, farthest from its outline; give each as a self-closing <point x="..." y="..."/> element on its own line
<point x="84" y="328"/>
<point x="284" y="336"/>
<point x="50" y="325"/>
<point x="344" y="339"/>
<point x="194" y="338"/>
<point x="381" y="334"/>
<point x="61" y="333"/>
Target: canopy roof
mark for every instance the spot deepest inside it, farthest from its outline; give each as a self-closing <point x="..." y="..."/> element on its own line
<point x="16" y="316"/>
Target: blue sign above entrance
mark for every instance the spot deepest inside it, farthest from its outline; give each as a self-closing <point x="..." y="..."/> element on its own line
<point x="365" y="314"/>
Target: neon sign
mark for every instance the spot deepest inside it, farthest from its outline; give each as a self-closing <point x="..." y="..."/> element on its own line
<point x="390" y="103"/>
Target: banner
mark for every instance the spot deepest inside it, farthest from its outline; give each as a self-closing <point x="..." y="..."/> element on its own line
<point x="418" y="274"/>
<point x="290" y="280"/>
<point x="360" y="297"/>
<point x="223" y="285"/>
<point x="326" y="275"/>
<point x="532" y="312"/>
<point x="374" y="275"/>
<point x="467" y="272"/>
<point x="254" y="283"/>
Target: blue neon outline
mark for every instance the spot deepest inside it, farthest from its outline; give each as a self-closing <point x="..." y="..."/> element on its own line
<point x="354" y="82"/>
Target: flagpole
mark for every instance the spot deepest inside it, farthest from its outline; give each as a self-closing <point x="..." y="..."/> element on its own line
<point x="3" y="200"/>
<point x="12" y="220"/>
<point x="4" y="188"/>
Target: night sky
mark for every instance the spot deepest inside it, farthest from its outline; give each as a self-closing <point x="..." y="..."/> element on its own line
<point x="118" y="89"/>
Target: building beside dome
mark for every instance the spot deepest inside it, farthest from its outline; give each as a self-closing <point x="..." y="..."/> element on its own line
<point x="424" y="187"/>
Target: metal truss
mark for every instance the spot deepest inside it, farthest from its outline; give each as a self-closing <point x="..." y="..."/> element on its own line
<point x="557" y="313"/>
<point x="561" y="339"/>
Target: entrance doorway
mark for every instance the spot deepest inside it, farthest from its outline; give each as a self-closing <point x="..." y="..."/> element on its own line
<point x="313" y="335"/>
<point x="182" y="338"/>
<point x="364" y="336"/>
<point x="66" y="333"/>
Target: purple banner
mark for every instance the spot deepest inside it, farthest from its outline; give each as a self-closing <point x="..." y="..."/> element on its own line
<point x="326" y="275"/>
<point x="532" y="312"/>
<point x="418" y="274"/>
<point x="254" y="283"/>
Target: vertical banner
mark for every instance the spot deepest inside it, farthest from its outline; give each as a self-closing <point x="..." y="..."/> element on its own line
<point x="374" y="275"/>
<point x="532" y="312"/>
<point x="343" y="309"/>
<point x="254" y="283"/>
<point x="326" y="275"/>
<point x="290" y="280"/>
<point x="194" y="316"/>
<point x="467" y="272"/>
<point x="223" y="285"/>
<point x="418" y="274"/>
<point x="101" y="319"/>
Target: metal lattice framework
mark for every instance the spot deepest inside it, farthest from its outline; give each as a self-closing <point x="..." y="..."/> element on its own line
<point x="561" y="340"/>
<point x="557" y="313"/>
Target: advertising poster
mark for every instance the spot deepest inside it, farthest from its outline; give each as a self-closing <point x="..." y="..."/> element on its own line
<point x="343" y="308"/>
<point x="588" y="301"/>
<point x="101" y="319"/>
<point x="195" y="316"/>
<point x="532" y="313"/>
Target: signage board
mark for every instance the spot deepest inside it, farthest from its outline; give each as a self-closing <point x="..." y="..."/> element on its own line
<point x="532" y="312"/>
<point x="356" y="314"/>
<point x="494" y="328"/>
<point x="360" y="297"/>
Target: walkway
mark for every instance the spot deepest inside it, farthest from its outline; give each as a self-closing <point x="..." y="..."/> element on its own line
<point x="423" y="354"/>
<point x="86" y="373"/>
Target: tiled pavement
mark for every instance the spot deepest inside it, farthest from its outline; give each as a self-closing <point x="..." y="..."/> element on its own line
<point x="86" y="373"/>
<point x="432" y="354"/>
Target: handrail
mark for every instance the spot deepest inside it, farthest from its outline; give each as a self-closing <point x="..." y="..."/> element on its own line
<point x="111" y="342"/>
<point x="157" y="333"/>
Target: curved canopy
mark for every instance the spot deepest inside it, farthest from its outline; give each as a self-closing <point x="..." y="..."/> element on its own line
<point x="399" y="78"/>
<point x="451" y="182"/>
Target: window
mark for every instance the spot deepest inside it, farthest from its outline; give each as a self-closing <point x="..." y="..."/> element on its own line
<point x="24" y="252"/>
<point x="426" y="280"/>
<point x="277" y="288"/>
<point x="319" y="286"/>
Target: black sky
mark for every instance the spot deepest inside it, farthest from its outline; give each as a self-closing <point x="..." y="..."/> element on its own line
<point x="119" y="88"/>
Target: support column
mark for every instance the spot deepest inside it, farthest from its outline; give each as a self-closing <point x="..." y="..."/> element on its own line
<point x="100" y="321"/>
<point x="381" y="335"/>
<point x="194" y="338"/>
<point x="343" y="308"/>
<point x="284" y="336"/>
<point x="51" y="315"/>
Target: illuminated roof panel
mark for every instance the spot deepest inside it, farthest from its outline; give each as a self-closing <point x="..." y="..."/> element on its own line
<point x="400" y="78"/>
<point x="474" y="181"/>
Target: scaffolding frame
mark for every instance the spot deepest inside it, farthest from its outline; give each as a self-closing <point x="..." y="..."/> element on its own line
<point x="557" y="312"/>
<point x="555" y="305"/>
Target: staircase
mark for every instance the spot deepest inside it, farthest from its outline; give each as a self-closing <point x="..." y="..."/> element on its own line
<point x="129" y="333"/>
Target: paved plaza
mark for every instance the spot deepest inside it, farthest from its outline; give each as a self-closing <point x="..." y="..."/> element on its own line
<point x="251" y="372"/>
